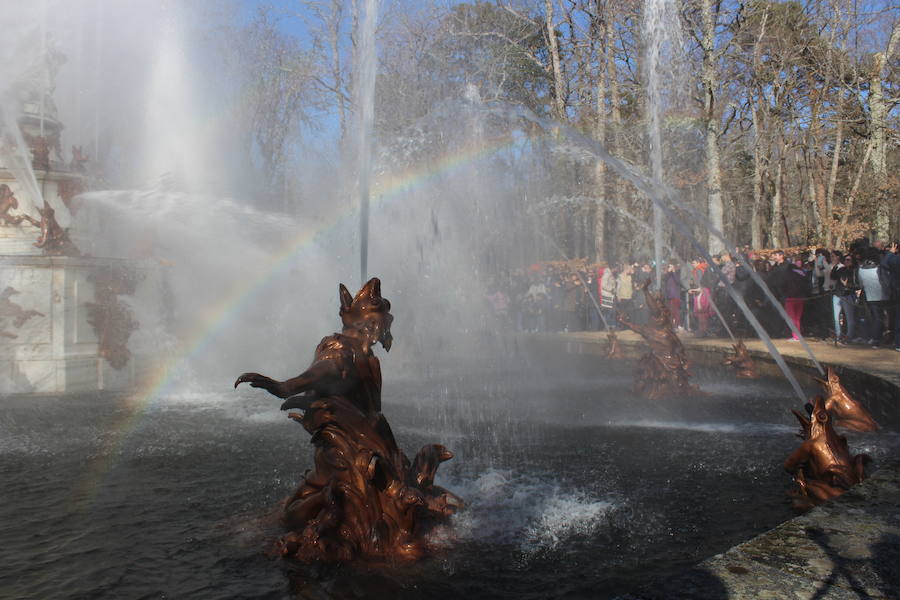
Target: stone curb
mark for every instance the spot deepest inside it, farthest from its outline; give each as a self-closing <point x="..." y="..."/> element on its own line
<point x="846" y="548"/>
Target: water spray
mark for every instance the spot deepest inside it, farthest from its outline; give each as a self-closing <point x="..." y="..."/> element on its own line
<point x="641" y="223"/>
<point x="365" y="104"/>
<point x="658" y="31"/>
<point x="630" y="173"/>
<point x="577" y="274"/>
<point x="655" y="192"/>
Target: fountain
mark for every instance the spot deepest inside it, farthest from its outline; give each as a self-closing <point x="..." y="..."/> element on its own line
<point x="365" y="99"/>
<point x="59" y="329"/>
<point x="663" y="41"/>
<point x="575" y="485"/>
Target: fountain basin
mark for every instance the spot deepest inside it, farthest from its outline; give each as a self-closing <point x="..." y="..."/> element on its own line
<point x="575" y="487"/>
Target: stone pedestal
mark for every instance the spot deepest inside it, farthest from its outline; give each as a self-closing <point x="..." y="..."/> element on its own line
<point x="19" y="240"/>
<point x="55" y="349"/>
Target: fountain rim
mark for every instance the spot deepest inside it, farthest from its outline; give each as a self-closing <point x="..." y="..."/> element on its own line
<point x="577" y="342"/>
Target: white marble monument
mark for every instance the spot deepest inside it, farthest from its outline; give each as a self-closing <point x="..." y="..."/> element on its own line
<point x="60" y="332"/>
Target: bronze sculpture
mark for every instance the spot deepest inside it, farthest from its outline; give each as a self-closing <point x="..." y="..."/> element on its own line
<point x="10" y="310"/>
<point x="848" y="412"/>
<point x="54" y="240"/>
<point x="741" y="361"/>
<point x="40" y="151"/>
<point x="364" y="499"/>
<point x="112" y="319"/>
<point x="8" y="202"/>
<point x="822" y="466"/>
<point x="664" y="370"/>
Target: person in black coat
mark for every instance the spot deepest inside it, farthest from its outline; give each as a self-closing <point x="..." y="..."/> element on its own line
<point x="790" y="284"/>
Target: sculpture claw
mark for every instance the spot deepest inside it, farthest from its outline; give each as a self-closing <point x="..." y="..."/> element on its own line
<point x="255" y="380"/>
<point x="299" y="401"/>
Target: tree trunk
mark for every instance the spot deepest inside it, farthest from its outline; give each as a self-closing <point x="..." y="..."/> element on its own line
<point x="814" y="200"/>
<point x="878" y="108"/>
<point x="777" y="222"/>
<point x="619" y="190"/>
<point x="832" y="183"/>
<point x="713" y="173"/>
<point x="756" y="233"/>
<point x="854" y="189"/>
<point x="823" y="227"/>
<point x="559" y="97"/>
<point x="756" y="218"/>
<point x="600" y="136"/>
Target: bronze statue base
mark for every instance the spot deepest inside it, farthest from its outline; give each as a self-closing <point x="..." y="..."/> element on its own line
<point x="364" y="499"/>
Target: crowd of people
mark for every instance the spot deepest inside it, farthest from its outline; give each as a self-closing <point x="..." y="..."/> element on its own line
<point x="848" y="297"/>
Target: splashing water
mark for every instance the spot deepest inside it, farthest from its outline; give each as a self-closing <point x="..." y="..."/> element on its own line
<point x="510" y="508"/>
<point x="662" y="36"/>
<point x="365" y="95"/>
<point x="666" y="198"/>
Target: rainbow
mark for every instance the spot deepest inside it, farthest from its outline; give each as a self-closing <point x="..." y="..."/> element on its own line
<point x="384" y="189"/>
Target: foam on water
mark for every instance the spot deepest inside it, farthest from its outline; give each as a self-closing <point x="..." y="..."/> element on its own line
<point x="532" y="515"/>
<point x="739" y="428"/>
<point x="565" y="516"/>
<point x="876" y="444"/>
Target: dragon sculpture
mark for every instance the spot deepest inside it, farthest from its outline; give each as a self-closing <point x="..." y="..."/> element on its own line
<point x="822" y="466"/>
<point x="741" y="362"/>
<point x="848" y="412"/>
<point x="364" y="499"/>
<point x="663" y="371"/>
<point x="53" y="240"/>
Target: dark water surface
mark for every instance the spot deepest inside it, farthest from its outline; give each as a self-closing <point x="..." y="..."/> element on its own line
<point x="575" y="488"/>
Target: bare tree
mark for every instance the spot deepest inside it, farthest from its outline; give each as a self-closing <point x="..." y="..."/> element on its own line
<point x="878" y="110"/>
<point x="276" y="79"/>
<point x="711" y="54"/>
<point x="559" y="93"/>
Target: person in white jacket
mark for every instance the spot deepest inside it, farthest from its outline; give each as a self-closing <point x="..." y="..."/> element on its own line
<point x="608" y="284"/>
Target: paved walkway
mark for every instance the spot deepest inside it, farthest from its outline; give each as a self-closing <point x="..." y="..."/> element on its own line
<point x="846" y="548"/>
<point x="881" y="362"/>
